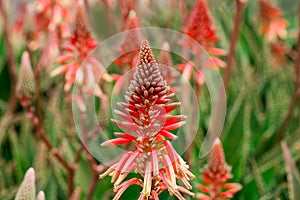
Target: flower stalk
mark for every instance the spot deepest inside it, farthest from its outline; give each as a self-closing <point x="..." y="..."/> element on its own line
<point x="233" y="41"/>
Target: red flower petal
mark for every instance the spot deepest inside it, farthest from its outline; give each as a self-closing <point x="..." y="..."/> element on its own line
<point x="116" y="142"/>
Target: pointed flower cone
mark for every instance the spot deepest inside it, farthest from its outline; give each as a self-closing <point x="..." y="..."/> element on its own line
<point x="82" y="38"/>
<point x="199" y="25"/>
<point x="146" y="121"/>
<point x="215" y="176"/>
<point x="79" y="45"/>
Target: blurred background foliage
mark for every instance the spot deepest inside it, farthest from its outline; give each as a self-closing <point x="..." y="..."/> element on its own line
<point x="258" y="99"/>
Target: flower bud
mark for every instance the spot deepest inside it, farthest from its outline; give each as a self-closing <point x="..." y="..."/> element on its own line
<point x="25" y="85"/>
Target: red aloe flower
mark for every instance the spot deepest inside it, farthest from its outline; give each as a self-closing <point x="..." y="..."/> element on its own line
<point x="215" y="175"/>
<point x="147" y="121"/>
<point x="273" y="25"/>
<point x="81" y="41"/>
<point x="130" y="46"/>
<point x="79" y="45"/>
<point x="199" y="27"/>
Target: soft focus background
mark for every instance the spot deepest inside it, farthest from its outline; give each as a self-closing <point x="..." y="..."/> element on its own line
<point x="263" y="109"/>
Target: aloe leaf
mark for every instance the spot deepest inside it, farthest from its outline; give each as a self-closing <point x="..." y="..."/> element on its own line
<point x="274" y="157"/>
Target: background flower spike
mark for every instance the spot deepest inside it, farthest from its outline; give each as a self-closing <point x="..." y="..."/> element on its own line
<point x="215" y="175"/>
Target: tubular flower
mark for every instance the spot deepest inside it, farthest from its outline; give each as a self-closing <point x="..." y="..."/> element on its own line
<point x="273" y="25"/>
<point x="50" y="16"/>
<point x="147" y="120"/>
<point x="187" y="71"/>
<point x="215" y="175"/>
<point x="79" y="45"/>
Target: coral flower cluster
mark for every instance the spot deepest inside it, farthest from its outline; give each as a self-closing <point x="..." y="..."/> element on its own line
<point x="274" y="29"/>
<point x="48" y="16"/>
<point x="199" y="27"/>
<point x="147" y="123"/>
<point x="273" y="24"/>
<point x="215" y="175"/>
<point x="44" y="24"/>
<point x="77" y="50"/>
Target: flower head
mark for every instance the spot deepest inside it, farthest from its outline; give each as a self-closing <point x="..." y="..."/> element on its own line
<point x="44" y="25"/>
<point x="199" y="25"/>
<point x="147" y="122"/>
<point x="49" y="17"/>
<point x="77" y="49"/>
<point x="82" y="39"/>
<point x="273" y="25"/>
<point x="215" y="175"/>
